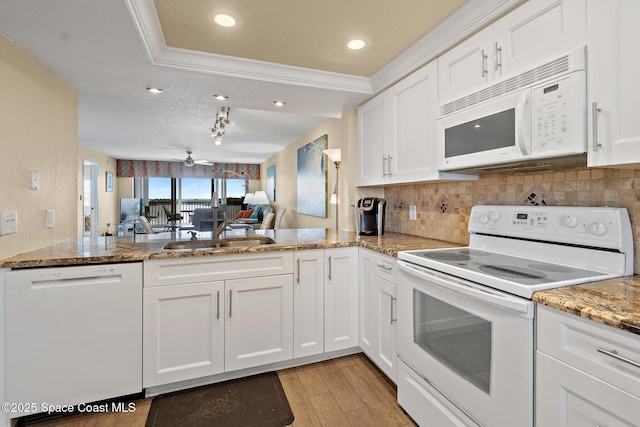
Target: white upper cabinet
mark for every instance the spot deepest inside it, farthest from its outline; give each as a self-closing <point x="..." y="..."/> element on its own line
<point x="613" y="84"/>
<point x="396" y="132"/>
<point x="535" y="33"/>
<point x="372" y="128"/>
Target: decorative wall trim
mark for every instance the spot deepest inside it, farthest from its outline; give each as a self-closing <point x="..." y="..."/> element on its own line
<point x="461" y="24"/>
<point x="155" y="169"/>
<point x="146" y="20"/>
<point x="471" y="17"/>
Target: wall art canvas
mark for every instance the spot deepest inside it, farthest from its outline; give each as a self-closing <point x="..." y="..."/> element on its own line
<point x="312" y="178"/>
<point x="271" y="183"/>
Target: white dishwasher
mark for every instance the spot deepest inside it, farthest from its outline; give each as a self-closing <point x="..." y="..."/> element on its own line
<point x="73" y="334"/>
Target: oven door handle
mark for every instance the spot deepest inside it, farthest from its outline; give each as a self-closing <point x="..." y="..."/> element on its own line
<point x="516" y="304"/>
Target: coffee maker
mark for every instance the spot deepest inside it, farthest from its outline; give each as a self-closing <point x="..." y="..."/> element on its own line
<point x="370" y="216"/>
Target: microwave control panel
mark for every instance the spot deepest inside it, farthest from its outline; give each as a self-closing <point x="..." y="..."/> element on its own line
<point x="557" y="113"/>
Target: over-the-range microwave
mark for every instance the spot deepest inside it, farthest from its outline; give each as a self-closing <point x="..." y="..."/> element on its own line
<point x="540" y="114"/>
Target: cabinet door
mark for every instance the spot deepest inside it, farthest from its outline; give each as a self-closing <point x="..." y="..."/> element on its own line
<point x="373" y="130"/>
<point x="259" y="321"/>
<point x="385" y="342"/>
<point x="465" y="69"/>
<point x="613" y="84"/>
<point x="341" y="299"/>
<point x="535" y="33"/>
<point x="413" y="102"/>
<point x="183" y="332"/>
<point x="567" y="397"/>
<point x="366" y="314"/>
<point x="308" y="303"/>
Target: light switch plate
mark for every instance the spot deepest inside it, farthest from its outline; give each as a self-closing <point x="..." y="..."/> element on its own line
<point x="50" y="218"/>
<point x="35" y="179"/>
<point x="8" y="222"/>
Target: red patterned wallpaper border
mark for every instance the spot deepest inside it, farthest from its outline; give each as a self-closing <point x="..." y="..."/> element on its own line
<point x="155" y="169"/>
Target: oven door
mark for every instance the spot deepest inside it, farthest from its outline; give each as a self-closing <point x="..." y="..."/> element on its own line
<point x="473" y="344"/>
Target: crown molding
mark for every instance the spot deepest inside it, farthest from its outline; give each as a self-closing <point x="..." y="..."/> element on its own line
<point x="468" y="19"/>
<point x="464" y="22"/>
<point x="146" y="21"/>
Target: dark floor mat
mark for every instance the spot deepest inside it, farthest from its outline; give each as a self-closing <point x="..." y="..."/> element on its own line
<point x="258" y="400"/>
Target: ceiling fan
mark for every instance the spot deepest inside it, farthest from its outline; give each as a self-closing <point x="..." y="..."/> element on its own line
<point x="189" y="161"/>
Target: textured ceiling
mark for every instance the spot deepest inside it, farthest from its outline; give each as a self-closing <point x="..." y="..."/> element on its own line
<point x="110" y="51"/>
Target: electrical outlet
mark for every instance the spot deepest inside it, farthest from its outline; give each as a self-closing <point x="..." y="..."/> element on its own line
<point x="353" y="200"/>
<point x="8" y="222"/>
<point x="412" y="212"/>
<point x="50" y="218"/>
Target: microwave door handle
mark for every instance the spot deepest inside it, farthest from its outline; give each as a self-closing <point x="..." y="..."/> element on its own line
<point x="522" y="140"/>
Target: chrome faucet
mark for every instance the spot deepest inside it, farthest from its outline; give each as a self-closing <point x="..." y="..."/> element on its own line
<point x="216" y="230"/>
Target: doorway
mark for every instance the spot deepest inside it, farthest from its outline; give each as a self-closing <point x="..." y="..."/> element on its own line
<point x="90" y="198"/>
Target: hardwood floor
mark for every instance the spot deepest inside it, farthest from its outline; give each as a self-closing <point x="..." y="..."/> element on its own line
<point x="349" y="391"/>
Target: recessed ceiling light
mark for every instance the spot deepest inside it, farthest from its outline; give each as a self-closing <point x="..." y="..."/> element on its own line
<point x="225" y="18"/>
<point x="155" y="90"/>
<point x="218" y="141"/>
<point x="357" y="43"/>
<point x="278" y="103"/>
<point x="220" y="97"/>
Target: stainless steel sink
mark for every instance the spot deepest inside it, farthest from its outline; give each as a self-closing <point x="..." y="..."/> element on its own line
<point x="231" y="242"/>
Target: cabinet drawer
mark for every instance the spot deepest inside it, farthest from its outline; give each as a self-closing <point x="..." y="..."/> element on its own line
<point x="566" y="397"/>
<point x="385" y="267"/>
<point x="209" y="268"/>
<point x="591" y="347"/>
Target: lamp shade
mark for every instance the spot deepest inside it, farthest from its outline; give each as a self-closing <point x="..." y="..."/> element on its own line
<point x="334" y="154"/>
<point x="248" y="199"/>
<point x="260" y="198"/>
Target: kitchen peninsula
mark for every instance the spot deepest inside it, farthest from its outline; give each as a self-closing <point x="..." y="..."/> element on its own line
<point x="141" y="247"/>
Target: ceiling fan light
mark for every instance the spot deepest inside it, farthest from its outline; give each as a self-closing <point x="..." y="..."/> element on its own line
<point x="189" y="162"/>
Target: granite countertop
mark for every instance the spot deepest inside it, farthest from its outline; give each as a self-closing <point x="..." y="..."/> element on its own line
<point x="140" y="247"/>
<point x="613" y="302"/>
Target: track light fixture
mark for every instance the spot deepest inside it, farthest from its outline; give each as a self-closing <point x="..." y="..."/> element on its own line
<point x="222" y="122"/>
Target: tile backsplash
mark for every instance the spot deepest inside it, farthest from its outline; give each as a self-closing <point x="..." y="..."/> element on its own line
<point x="443" y="208"/>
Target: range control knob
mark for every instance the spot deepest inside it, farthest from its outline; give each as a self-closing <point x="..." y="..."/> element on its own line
<point x="598" y="228"/>
<point x="484" y="219"/>
<point x="494" y="216"/>
<point x="569" y="221"/>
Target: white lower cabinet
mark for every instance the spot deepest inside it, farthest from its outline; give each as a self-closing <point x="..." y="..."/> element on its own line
<point x="259" y="321"/>
<point x="308" y="303"/>
<point x="341" y="299"/>
<point x="208" y="315"/>
<point x="183" y="332"/>
<point x="378" y="294"/>
<point x="587" y="374"/>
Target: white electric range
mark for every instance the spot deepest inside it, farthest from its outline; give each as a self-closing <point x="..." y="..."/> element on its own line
<point x="465" y="315"/>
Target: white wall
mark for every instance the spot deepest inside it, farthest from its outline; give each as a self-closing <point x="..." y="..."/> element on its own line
<point x="38" y="130"/>
<point x="341" y="133"/>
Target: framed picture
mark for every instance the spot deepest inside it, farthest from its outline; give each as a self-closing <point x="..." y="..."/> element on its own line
<point x="312" y="178"/>
<point x="109" y="182"/>
<point x="271" y="183"/>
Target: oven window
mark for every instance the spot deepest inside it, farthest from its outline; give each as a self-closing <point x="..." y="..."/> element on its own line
<point x="487" y="133"/>
<point x="455" y="337"/>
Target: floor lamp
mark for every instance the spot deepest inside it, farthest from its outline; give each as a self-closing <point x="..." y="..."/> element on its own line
<point x="335" y="155"/>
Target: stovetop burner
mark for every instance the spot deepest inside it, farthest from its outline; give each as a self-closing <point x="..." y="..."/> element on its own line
<point x="524" y="249"/>
<point x="512" y="273"/>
